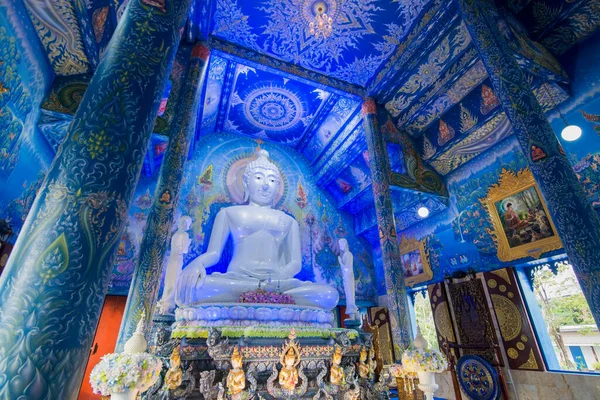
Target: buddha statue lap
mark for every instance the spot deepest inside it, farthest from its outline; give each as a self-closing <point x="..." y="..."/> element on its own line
<point x="266" y="248"/>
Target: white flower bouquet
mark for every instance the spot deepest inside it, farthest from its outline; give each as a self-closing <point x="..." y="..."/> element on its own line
<point x="117" y="373"/>
<point x="423" y="360"/>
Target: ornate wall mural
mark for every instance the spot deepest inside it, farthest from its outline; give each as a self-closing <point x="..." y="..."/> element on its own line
<point x="365" y="32"/>
<point x="129" y="245"/>
<point x="459" y="121"/>
<point x="59" y="31"/>
<point x="474" y="162"/>
<point x="478" y="141"/>
<point x="583" y="109"/>
<point x="458" y="236"/>
<point x="212" y="93"/>
<point x="24" y="77"/>
<point x="557" y="24"/>
<point x="211" y="182"/>
<point x="351" y="181"/>
<point x="418" y="121"/>
<point x="430" y="70"/>
<point x="341" y="112"/>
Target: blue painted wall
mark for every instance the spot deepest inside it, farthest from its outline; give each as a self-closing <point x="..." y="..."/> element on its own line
<point x="471" y="181"/>
<point x="25" y="76"/>
<point x="583" y="109"/>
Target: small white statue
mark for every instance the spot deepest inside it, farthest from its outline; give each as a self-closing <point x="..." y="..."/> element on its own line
<point x="180" y="243"/>
<point x="346" y="260"/>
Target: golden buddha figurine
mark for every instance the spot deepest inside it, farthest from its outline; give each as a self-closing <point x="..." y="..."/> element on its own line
<point x="363" y="368"/>
<point x="288" y="376"/>
<point x="336" y="373"/>
<point x="236" y="379"/>
<point x="174" y="375"/>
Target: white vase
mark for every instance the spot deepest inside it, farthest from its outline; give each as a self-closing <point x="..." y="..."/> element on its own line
<point x="427" y="384"/>
<point x="127" y="395"/>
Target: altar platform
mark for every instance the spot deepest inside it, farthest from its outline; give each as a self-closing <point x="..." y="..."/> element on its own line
<point x="206" y="354"/>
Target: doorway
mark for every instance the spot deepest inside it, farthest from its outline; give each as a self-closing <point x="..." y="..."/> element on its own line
<point x="104" y="341"/>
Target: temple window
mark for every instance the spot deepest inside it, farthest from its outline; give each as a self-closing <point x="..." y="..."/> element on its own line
<point x="565" y="326"/>
<point x="423" y="317"/>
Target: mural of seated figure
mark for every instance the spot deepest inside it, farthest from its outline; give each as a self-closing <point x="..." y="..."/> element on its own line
<point x="266" y="245"/>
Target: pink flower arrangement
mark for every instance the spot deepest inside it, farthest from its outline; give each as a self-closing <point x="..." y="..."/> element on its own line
<point x="261" y="296"/>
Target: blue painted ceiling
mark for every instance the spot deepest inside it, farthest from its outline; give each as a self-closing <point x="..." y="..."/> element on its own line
<point x="367" y="32"/>
<point x="271" y="80"/>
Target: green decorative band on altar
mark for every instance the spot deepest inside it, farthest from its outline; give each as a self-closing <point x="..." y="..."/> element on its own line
<point x="201" y="332"/>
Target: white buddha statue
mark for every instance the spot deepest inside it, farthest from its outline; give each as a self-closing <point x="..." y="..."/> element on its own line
<point x="346" y="260"/>
<point x="266" y="248"/>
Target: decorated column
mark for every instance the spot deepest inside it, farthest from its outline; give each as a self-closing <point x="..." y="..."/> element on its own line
<point x="143" y="291"/>
<point x="576" y="221"/>
<point x="53" y="287"/>
<point x="390" y="247"/>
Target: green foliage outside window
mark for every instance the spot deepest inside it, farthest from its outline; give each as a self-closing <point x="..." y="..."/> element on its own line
<point x="424" y="317"/>
<point x="562" y="303"/>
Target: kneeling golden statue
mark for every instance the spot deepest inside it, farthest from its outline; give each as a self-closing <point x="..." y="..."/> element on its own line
<point x="174" y="375"/>
<point x="288" y="376"/>
<point x="336" y="373"/>
<point x="236" y="379"/>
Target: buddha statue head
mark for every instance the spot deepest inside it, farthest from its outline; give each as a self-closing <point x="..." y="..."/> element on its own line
<point x="184" y="223"/>
<point x="290" y="358"/>
<point x="343" y="243"/>
<point x="236" y="358"/>
<point x="261" y="180"/>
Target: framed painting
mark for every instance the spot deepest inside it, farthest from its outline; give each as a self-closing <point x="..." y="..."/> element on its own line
<point x="415" y="261"/>
<point x="522" y="226"/>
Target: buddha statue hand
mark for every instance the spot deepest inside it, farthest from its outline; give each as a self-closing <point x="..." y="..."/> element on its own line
<point x="190" y="280"/>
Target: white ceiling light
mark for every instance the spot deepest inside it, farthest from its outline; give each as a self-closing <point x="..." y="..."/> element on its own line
<point x="571" y="132"/>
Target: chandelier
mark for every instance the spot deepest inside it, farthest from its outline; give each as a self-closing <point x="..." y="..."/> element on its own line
<point x="322" y="26"/>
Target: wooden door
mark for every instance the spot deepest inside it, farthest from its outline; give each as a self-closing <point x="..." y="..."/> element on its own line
<point x="104" y="341"/>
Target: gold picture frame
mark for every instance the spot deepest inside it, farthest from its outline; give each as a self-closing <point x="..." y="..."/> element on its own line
<point x="522" y="226"/>
<point x="414" y="259"/>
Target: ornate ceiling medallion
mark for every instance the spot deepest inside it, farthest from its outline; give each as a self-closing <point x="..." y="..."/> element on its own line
<point x="318" y="14"/>
<point x="273" y="108"/>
